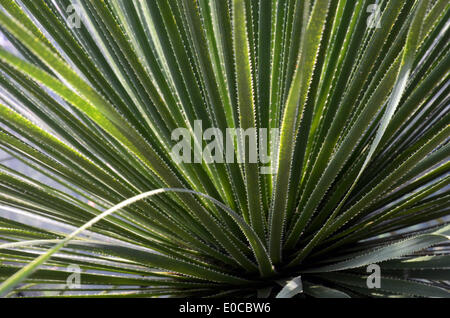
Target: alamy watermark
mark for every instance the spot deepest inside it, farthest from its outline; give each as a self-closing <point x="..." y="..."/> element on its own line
<point x="374" y="20"/>
<point x="374" y="279"/>
<point x="75" y="16"/>
<point x="74" y="279"/>
<point x="235" y="145"/>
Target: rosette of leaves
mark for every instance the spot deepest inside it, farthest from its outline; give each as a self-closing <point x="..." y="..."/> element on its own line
<point x="93" y="89"/>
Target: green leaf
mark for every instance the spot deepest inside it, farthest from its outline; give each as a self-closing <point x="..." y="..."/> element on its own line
<point x="291" y="288"/>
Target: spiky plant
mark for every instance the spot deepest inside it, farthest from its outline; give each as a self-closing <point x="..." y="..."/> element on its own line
<point x="94" y="89"/>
